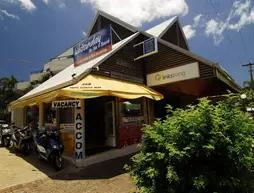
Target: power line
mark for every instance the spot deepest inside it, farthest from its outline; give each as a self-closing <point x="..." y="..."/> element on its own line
<point x="213" y="6"/>
<point x="228" y="36"/>
<point x="241" y="36"/>
<point x="243" y="42"/>
<point x="250" y="66"/>
<point x="244" y="53"/>
<point x="20" y="60"/>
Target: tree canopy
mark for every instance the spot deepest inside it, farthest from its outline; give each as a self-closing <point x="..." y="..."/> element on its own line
<point x="206" y="148"/>
<point x="8" y="93"/>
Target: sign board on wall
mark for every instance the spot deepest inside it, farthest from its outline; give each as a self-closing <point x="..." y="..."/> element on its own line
<point x="94" y="46"/>
<point x="79" y="126"/>
<point x="80" y="133"/>
<point x="185" y="72"/>
<point x="66" y="104"/>
<point x="149" y="47"/>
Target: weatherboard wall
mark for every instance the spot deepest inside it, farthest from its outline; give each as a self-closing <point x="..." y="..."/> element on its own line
<point x="175" y="36"/>
<point x="170" y="58"/>
<point x="122" y="66"/>
<point x="103" y="22"/>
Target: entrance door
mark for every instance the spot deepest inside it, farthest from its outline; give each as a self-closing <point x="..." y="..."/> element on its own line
<point x="110" y="124"/>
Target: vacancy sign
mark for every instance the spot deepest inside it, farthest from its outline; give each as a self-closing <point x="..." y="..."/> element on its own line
<point x="66" y="104"/>
<point x="94" y="46"/>
<point x="185" y="72"/>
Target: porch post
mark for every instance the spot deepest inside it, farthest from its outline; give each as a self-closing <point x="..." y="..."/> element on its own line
<point x="18" y="117"/>
<point x="41" y="115"/>
<point x="79" y="117"/>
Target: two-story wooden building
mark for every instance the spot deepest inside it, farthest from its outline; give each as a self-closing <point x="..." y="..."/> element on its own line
<point x="103" y="102"/>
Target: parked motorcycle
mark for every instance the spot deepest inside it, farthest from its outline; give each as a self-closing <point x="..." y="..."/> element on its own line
<point x="5" y="134"/>
<point x="21" y="140"/>
<point x="49" y="147"/>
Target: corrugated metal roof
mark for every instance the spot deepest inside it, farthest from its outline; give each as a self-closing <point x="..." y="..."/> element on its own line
<point x="160" y="29"/>
<point x="65" y="77"/>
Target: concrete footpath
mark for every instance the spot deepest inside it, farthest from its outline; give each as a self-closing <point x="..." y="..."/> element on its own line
<point x="19" y="174"/>
<point x="17" y="169"/>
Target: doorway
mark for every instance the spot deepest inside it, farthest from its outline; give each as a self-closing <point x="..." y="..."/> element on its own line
<point x="100" y="125"/>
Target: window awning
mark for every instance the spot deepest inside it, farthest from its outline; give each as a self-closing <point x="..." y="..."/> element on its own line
<point x="93" y="86"/>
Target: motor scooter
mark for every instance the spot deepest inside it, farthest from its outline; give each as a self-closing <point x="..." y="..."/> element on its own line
<point x="49" y="147"/>
<point x="21" y="140"/>
<point x="5" y="135"/>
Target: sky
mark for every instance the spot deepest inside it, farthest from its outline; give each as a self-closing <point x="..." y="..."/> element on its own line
<point x="34" y="31"/>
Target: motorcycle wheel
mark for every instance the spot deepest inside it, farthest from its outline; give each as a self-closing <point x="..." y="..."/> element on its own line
<point x="27" y="149"/>
<point x="11" y="146"/>
<point x="6" y="142"/>
<point x="58" y="162"/>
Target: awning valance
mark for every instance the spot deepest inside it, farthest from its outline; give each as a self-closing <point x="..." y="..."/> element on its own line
<point x="93" y="86"/>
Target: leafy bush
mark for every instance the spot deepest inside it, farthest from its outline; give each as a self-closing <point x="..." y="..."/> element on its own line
<point x="205" y="148"/>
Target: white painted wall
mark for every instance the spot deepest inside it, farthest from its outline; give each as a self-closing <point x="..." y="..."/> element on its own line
<point x="23" y="85"/>
<point x="37" y="76"/>
<point x="58" y="65"/>
<point x="60" y="62"/>
<point x="18" y="117"/>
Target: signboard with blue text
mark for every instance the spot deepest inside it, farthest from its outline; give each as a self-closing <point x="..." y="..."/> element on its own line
<point x="92" y="47"/>
<point x="149" y="47"/>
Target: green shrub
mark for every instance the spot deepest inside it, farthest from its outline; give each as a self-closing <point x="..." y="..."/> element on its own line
<point x="204" y="148"/>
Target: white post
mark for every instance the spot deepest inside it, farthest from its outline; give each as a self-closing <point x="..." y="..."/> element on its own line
<point x="80" y="133"/>
<point x="12" y="116"/>
<point x="41" y="115"/>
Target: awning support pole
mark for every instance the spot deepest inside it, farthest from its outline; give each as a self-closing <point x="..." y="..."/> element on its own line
<point x="41" y="115"/>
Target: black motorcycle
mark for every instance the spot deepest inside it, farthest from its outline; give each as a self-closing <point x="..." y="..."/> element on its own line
<point x="21" y="140"/>
<point x="5" y="134"/>
<point x="49" y="147"/>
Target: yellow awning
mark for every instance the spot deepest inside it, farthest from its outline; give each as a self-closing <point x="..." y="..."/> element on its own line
<point x="93" y="86"/>
<point x="48" y="97"/>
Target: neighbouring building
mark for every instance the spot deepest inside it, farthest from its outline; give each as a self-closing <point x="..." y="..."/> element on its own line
<point x="121" y="79"/>
<point x="52" y="67"/>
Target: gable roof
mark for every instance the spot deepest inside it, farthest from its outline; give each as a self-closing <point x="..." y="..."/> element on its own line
<point x="200" y="59"/>
<point x="112" y="18"/>
<point x="65" y="77"/>
<point x="159" y="30"/>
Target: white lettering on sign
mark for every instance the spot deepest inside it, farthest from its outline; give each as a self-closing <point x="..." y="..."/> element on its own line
<point x="185" y="72"/>
<point x="133" y="119"/>
<point x="79" y="134"/>
<point x="66" y="104"/>
<point x="249" y="109"/>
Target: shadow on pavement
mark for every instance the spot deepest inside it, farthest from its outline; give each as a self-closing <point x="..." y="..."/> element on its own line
<point x="104" y="170"/>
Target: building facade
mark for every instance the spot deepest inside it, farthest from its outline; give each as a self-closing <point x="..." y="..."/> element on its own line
<point x="103" y="102"/>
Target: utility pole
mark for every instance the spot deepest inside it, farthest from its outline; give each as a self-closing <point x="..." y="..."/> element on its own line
<point x="249" y="65"/>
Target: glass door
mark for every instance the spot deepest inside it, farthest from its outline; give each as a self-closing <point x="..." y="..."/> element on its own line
<point x="110" y="124"/>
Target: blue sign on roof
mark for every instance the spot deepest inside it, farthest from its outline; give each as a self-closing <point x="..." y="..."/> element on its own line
<point x="94" y="46"/>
